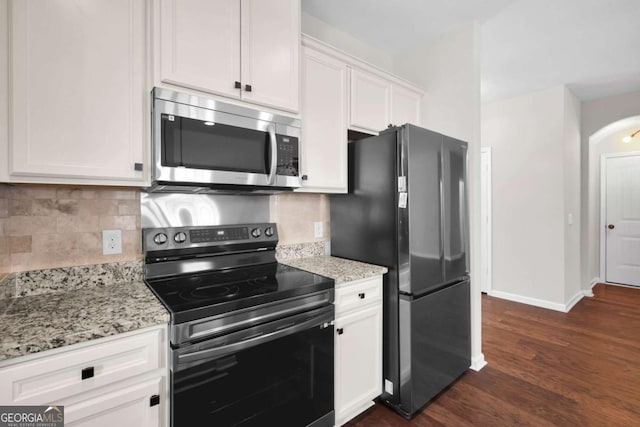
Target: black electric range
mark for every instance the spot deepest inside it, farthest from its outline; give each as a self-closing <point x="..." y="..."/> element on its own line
<point x="251" y="340"/>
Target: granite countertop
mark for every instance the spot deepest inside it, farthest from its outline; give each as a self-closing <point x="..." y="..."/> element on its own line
<point x="73" y="308"/>
<point x="339" y="269"/>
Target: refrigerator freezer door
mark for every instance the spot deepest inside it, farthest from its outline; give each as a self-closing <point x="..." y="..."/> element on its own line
<point x="435" y="347"/>
<point x="420" y="245"/>
<point x="455" y="220"/>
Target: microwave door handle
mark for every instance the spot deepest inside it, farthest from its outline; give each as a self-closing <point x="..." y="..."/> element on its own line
<point x="271" y="129"/>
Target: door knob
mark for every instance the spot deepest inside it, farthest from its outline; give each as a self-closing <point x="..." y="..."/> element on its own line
<point x="611" y="226"/>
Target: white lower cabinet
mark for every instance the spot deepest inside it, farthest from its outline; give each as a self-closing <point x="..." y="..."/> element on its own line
<point x="130" y="404"/>
<point x="358" y="347"/>
<point x="100" y="383"/>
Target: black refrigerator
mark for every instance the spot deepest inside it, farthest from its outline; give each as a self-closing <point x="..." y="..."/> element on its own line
<point x="406" y="209"/>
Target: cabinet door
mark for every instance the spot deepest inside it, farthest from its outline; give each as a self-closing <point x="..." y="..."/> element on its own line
<point x="370" y="95"/>
<point x="271" y="52"/>
<point x="324" y="124"/>
<point x="78" y="97"/>
<point x="358" y="369"/>
<point x="200" y="44"/>
<point x="130" y="405"/>
<point x="405" y="106"/>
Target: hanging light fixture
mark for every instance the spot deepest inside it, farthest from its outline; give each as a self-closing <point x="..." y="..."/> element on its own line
<point x="628" y="138"/>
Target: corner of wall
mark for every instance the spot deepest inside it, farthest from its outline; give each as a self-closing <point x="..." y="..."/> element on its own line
<point x="572" y="195"/>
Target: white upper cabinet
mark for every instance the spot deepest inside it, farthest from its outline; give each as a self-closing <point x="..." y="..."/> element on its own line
<point x="243" y="49"/>
<point x="324" y="123"/>
<point x="200" y="44"/>
<point x="377" y="101"/>
<point x="77" y="92"/>
<point x="405" y="106"/>
<point x="370" y="98"/>
<point x="271" y="52"/>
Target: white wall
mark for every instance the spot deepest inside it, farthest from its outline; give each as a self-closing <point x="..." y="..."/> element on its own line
<point x="572" y="248"/>
<point x="535" y="144"/>
<point x="596" y="115"/>
<point x="525" y="135"/>
<point x="449" y="70"/>
<point x="320" y="30"/>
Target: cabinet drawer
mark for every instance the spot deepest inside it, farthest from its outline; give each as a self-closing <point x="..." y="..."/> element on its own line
<point x="358" y="294"/>
<point x="51" y="378"/>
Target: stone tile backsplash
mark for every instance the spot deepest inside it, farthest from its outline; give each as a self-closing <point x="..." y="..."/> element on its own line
<point x="47" y="226"/>
<point x="295" y="214"/>
<point x="52" y="226"/>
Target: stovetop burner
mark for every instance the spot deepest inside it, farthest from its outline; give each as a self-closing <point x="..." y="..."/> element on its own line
<point x="194" y="296"/>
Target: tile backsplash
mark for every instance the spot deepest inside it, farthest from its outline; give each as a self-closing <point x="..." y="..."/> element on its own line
<point x="296" y="213"/>
<point x="46" y="226"/>
<point x="49" y="226"/>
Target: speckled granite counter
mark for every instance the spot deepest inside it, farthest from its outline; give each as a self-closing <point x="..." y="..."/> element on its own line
<point x="48" y="309"/>
<point x="339" y="269"/>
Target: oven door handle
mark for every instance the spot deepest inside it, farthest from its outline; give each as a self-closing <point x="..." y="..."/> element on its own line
<point x="273" y="143"/>
<point x="290" y="326"/>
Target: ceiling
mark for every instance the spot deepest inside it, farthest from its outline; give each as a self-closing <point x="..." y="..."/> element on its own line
<point x="592" y="46"/>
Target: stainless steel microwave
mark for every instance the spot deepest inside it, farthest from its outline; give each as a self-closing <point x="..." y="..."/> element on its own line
<point x="204" y="145"/>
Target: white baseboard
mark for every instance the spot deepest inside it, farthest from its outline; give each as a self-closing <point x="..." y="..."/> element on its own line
<point x="542" y="303"/>
<point x="574" y="300"/>
<point x="594" y="281"/>
<point x="478" y="362"/>
<point x="528" y="300"/>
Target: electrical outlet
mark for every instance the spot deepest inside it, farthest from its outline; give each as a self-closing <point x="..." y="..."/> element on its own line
<point x="111" y="242"/>
<point x="317" y="229"/>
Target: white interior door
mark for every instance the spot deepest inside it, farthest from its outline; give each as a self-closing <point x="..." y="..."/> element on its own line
<point x="485" y="214"/>
<point x="622" y="219"/>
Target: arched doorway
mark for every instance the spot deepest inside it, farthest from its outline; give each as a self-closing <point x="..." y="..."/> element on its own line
<point x="603" y="144"/>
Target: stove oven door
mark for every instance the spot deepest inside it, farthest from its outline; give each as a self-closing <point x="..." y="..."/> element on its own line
<point x="276" y="374"/>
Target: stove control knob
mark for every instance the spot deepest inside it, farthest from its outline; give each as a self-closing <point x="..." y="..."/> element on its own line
<point x="180" y="237"/>
<point x="268" y="231"/>
<point x="256" y="232"/>
<point x="160" y="239"/>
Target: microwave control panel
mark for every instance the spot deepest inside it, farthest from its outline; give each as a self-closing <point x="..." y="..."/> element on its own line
<point x="287" y="155"/>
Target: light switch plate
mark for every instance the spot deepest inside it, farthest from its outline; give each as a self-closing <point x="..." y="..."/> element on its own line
<point x="317" y="229"/>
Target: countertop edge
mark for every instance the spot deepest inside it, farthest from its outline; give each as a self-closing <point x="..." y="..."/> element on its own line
<point x="341" y="270"/>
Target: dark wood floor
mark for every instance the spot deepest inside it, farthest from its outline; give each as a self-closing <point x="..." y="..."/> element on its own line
<point x="545" y="368"/>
